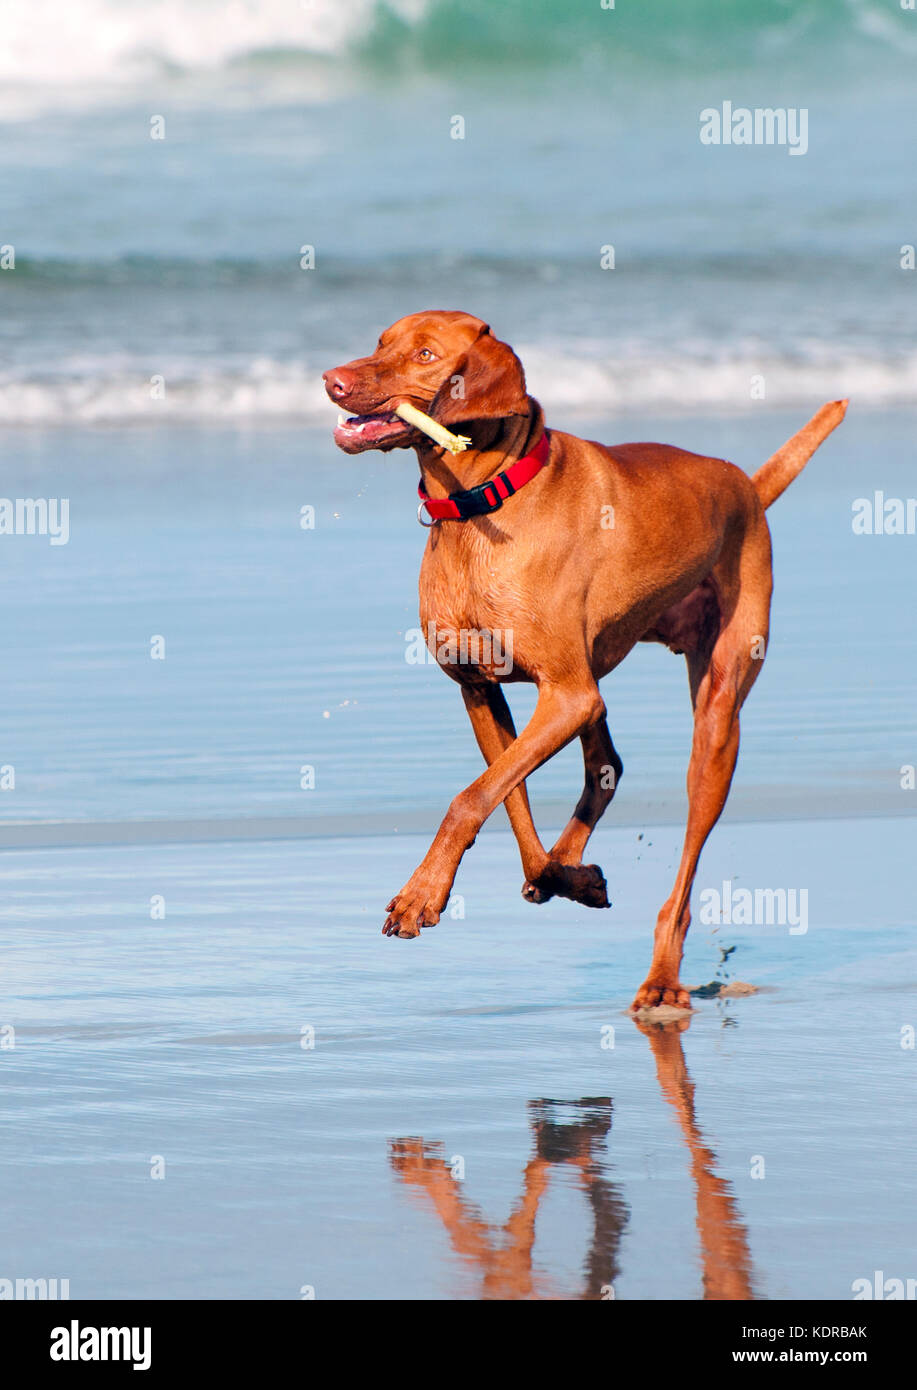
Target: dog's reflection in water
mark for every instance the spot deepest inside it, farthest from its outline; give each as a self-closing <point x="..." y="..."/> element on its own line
<point x="725" y="1256"/>
<point x="572" y="1134"/>
<point x="565" y="1133"/>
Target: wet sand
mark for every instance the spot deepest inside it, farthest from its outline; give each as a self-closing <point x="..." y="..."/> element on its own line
<point x="461" y="1127"/>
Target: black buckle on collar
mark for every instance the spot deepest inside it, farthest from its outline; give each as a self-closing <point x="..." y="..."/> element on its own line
<point x="484" y="498"/>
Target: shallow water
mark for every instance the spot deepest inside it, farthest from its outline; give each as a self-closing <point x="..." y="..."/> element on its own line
<point x="478" y="1052"/>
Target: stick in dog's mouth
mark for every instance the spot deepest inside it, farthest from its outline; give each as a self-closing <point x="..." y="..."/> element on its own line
<point x="389" y="429"/>
<point x="455" y="443"/>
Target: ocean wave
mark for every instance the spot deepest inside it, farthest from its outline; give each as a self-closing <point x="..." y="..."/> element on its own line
<point x="73" y="41"/>
<point x="65" y="44"/>
<point x="572" y="387"/>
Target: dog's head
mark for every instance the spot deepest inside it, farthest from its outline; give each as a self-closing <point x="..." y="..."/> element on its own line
<point x="445" y="362"/>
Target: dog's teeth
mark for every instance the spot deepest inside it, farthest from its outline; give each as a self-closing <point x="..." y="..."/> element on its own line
<point x="342" y="418"/>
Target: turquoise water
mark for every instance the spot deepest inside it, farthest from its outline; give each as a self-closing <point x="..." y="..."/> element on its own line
<point x="180" y="257"/>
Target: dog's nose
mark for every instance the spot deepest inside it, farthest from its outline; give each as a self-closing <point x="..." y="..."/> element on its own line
<point x="339" y="383"/>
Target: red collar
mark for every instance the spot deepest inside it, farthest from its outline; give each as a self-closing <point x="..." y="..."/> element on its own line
<point x="487" y="497"/>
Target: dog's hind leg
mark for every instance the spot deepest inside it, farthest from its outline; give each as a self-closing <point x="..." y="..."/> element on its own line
<point x="722" y="668"/>
<point x="565" y="874"/>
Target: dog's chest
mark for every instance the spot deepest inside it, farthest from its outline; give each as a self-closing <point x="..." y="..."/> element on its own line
<point x="469" y="612"/>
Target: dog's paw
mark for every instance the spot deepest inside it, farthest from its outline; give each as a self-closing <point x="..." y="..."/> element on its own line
<point x="588" y="886"/>
<point x="407" y="914"/>
<point x="655" y="995"/>
<point x="582" y="883"/>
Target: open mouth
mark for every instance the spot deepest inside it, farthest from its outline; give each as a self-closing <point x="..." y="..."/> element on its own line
<point x="357" y="432"/>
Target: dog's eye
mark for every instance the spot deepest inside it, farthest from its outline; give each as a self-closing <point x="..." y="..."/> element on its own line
<point x="425" y="355"/>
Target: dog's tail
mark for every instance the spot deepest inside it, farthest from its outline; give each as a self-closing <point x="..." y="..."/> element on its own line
<point x="775" y="476"/>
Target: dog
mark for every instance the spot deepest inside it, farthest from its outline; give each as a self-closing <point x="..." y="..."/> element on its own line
<point x="579" y="550"/>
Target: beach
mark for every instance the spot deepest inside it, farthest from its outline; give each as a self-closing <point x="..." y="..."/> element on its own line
<point x="219" y="760"/>
<point x="305" y="1083"/>
<point x="178" y="908"/>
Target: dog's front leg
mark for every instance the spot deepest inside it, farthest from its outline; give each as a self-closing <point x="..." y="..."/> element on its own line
<point x="563" y="709"/>
<point x="495" y="731"/>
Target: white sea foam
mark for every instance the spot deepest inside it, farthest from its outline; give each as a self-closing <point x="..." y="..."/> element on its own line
<point x="570" y="387"/>
<point x="72" y="41"/>
<point x="78" y="54"/>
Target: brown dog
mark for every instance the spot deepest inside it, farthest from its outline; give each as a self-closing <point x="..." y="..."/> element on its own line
<point x="602" y="548"/>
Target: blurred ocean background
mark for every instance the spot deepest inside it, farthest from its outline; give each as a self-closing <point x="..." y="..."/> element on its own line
<point x="138" y="261"/>
<point x="328" y="125"/>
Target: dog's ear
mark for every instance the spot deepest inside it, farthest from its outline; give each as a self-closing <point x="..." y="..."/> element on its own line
<point x="488" y="384"/>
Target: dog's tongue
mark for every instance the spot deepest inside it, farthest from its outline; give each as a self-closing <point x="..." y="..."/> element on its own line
<point x="368" y="429"/>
